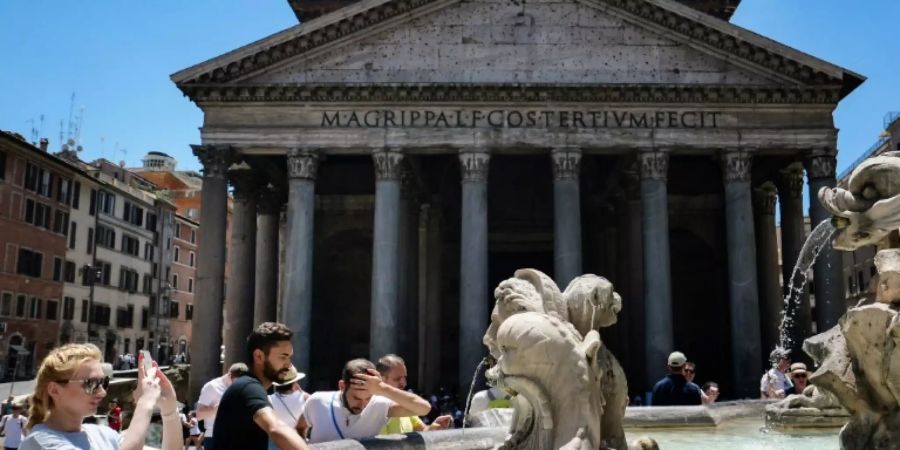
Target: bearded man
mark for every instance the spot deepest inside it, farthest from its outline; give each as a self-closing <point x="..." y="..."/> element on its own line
<point x="360" y="407"/>
<point x="245" y="418"/>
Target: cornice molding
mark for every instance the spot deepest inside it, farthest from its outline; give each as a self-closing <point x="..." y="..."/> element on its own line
<point x="637" y="10"/>
<point x="512" y="93"/>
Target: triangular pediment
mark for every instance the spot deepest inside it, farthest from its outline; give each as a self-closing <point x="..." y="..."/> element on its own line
<point x="561" y="42"/>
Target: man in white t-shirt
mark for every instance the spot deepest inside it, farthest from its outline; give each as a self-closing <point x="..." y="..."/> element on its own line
<point x="12" y="425"/>
<point x="288" y="399"/>
<point x="211" y="395"/>
<point x="360" y="408"/>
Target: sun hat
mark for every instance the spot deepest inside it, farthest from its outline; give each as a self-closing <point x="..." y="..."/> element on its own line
<point x="798" y="367"/>
<point x="289" y="377"/>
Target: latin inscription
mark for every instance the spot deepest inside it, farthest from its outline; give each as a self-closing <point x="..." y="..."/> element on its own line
<point x="511" y="118"/>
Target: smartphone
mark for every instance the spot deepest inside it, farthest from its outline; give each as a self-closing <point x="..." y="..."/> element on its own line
<point x="147" y="360"/>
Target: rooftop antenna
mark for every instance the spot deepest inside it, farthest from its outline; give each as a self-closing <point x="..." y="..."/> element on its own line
<point x="41" y="128"/>
<point x="33" y="133"/>
<point x="79" y="121"/>
<point x="62" y="139"/>
<point x="71" y="129"/>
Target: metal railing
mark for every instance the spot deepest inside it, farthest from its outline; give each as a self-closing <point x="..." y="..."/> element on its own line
<point x="873" y="150"/>
<point x="890" y="118"/>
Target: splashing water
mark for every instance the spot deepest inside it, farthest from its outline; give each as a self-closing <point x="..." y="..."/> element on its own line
<point x="471" y="393"/>
<point x="817" y="240"/>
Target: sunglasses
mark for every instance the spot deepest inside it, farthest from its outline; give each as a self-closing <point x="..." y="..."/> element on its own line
<point x="688" y="371"/>
<point x="800" y="375"/>
<point x="90" y="385"/>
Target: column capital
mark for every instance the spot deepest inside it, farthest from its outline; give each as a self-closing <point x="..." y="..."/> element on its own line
<point x="764" y="199"/>
<point x="474" y="164"/>
<point x="821" y="163"/>
<point x="271" y="200"/>
<point x="388" y="164"/>
<point x="736" y="165"/>
<point x="245" y="180"/>
<point x="302" y="163"/>
<point x="566" y="163"/>
<point x="790" y="182"/>
<point x="654" y="164"/>
<point x="215" y="158"/>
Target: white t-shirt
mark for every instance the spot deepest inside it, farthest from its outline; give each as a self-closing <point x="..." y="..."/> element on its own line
<point x="195" y="427"/>
<point x="288" y="407"/>
<point x="778" y="379"/>
<point x="211" y="395"/>
<point x="12" y="427"/>
<point x="318" y="413"/>
<point x="91" y="437"/>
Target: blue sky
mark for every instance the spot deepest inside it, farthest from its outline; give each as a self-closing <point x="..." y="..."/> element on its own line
<point x="117" y="57"/>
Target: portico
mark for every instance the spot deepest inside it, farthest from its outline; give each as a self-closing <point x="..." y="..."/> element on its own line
<point x="521" y="144"/>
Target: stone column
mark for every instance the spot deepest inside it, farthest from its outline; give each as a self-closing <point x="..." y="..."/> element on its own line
<point x="383" y="336"/>
<point x="793" y="235"/>
<point x="746" y="359"/>
<point x="658" y="330"/>
<point x="302" y="165"/>
<point x="241" y="283"/>
<point x="771" y="302"/>
<point x="566" y="215"/>
<point x="267" y="230"/>
<point x="828" y="276"/>
<point x="473" y="274"/>
<point x="206" y="334"/>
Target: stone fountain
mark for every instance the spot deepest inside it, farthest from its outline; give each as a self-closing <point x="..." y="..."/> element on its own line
<point x="860" y="357"/>
<point x="568" y="390"/>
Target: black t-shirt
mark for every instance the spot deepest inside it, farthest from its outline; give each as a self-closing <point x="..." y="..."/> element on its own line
<point x="670" y="391"/>
<point x="235" y="428"/>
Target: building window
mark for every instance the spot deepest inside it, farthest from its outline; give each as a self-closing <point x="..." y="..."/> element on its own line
<point x="90" y="241"/>
<point x="131" y="245"/>
<point x="106" y="203"/>
<point x="173" y="310"/>
<point x="57" y="268"/>
<point x="2" y="165"/>
<point x="76" y="195"/>
<point x="148" y="251"/>
<point x="6" y="304"/>
<point x="84" y="310"/>
<point x="188" y="311"/>
<point x="61" y="222"/>
<point x="64" y="191"/>
<point x="124" y="317"/>
<point x="190" y="285"/>
<point x="151" y="221"/>
<point x="175" y="281"/>
<point x="32" y="175"/>
<point x="69" y="308"/>
<point x="52" y="306"/>
<point x="30" y="263"/>
<point x="35" y="311"/>
<point x="92" y="209"/>
<point x="145" y="318"/>
<point x="100" y="315"/>
<point x="128" y="279"/>
<point x="69" y="273"/>
<point x="37" y="213"/>
<point x="46" y="184"/>
<point x="177" y="254"/>
<point x="192" y="259"/>
<point x="148" y="284"/>
<point x="105" y="277"/>
<point x="21" y="305"/>
<point x="73" y="228"/>
<point x="106" y="237"/>
<point x="178" y="230"/>
<point x="193" y="236"/>
<point x="133" y="214"/>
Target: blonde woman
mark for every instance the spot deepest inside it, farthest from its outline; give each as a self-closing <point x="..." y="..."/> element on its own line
<point x="70" y="386"/>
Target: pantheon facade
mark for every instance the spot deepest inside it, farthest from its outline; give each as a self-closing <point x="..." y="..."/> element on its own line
<point x="393" y="160"/>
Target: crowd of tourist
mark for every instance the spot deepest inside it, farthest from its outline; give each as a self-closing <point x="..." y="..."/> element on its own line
<point x="260" y="403"/>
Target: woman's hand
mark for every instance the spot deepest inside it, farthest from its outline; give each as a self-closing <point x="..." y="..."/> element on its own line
<point x="168" y="403"/>
<point x="148" y="389"/>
